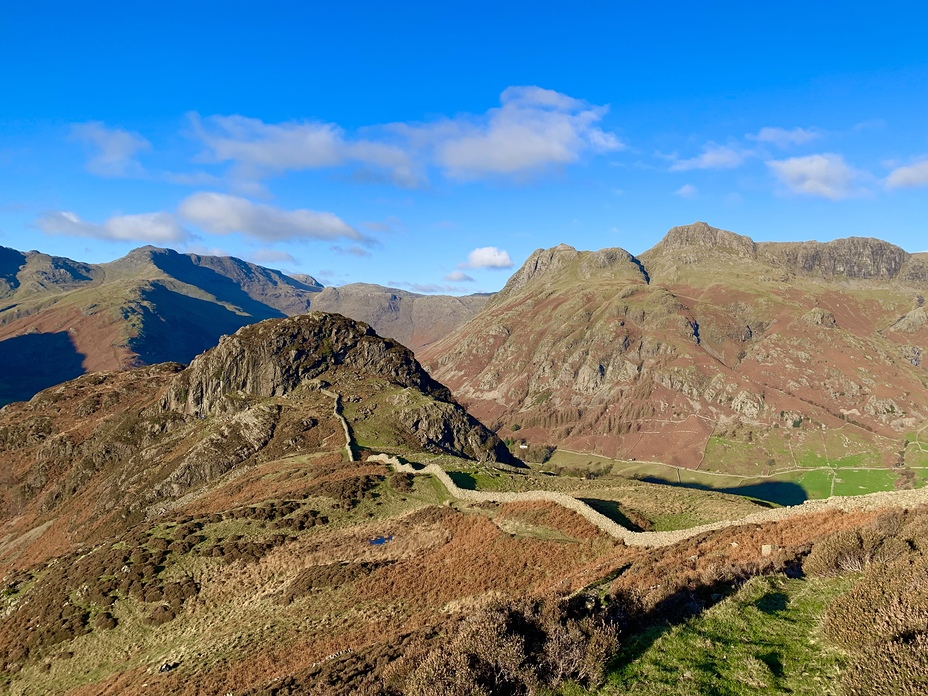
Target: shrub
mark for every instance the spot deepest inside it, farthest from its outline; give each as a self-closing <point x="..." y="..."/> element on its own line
<point x="853" y="550"/>
<point x="401" y="481"/>
<point x="517" y="648"/>
<point x="894" y="668"/>
<point x="889" y="603"/>
<point x="161" y="615"/>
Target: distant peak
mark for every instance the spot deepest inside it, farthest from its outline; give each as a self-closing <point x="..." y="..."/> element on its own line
<point x="700" y="234"/>
<point x="540" y="261"/>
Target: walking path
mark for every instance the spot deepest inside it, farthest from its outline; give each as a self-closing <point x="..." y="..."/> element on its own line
<point x="337" y="410"/>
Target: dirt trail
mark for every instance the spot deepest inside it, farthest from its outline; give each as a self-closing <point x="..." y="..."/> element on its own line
<point x="872" y="501"/>
<point x="337" y="410"/>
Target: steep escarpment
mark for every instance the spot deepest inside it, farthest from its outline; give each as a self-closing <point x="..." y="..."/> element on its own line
<point x="854" y="257"/>
<point x="708" y="350"/>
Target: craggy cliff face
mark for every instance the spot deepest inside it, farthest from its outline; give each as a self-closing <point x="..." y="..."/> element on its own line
<point x="707" y="342"/>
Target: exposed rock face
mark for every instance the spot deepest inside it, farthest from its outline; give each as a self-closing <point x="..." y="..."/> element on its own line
<point x="699" y="235"/>
<point x="540" y="262"/>
<point x="275" y="357"/>
<point x="854" y="257"/>
<point x="412" y="319"/>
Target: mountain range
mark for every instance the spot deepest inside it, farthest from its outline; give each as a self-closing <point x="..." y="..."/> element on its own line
<point x="304" y="508"/>
<point x="708" y="350"/>
<point x="60" y="318"/>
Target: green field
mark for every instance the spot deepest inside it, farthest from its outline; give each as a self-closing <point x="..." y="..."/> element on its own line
<point x="783" y="488"/>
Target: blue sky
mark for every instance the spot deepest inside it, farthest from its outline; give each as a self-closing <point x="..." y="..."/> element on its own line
<point x="435" y="148"/>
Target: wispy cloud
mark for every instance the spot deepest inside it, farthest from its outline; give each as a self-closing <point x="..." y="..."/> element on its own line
<point x="782" y="137"/>
<point x="687" y="191"/>
<point x="909" y="176"/>
<point x="219" y="213"/>
<point x="258" y="150"/>
<point x="391" y="224"/>
<point x="458" y="277"/>
<point x="204" y="250"/>
<point x="487" y="257"/>
<point x="159" y="228"/>
<point x="713" y="156"/>
<point x="112" y="150"/>
<point x="266" y="256"/>
<point x="825" y="175"/>
<point x="353" y="250"/>
<point x="427" y="288"/>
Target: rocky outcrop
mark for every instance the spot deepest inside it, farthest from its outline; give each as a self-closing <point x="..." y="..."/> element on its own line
<point x="854" y="257"/>
<point x="540" y="262"/>
<point x="275" y="357"/>
<point x="229" y="443"/>
<point x="443" y="427"/>
<point x="694" y="240"/>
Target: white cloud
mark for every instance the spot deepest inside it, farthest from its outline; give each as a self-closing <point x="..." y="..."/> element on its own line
<point x="782" y="137"/>
<point x="459" y="277"/>
<point x="488" y="257"/>
<point x="714" y="156"/>
<point x="266" y="256"/>
<point x="686" y="191"/>
<point x="534" y="129"/>
<point x="826" y="175"/>
<point x="147" y="227"/>
<point x="909" y="176"/>
<point x="258" y="149"/>
<point x="224" y="214"/>
<point x="114" y="149"/>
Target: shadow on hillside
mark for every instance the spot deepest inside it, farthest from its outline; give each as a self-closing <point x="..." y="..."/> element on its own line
<point x="463" y="480"/>
<point x="33" y="362"/>
<point x="644" y="630"/>
<point x="182" y="327"/>
<point x="779" y="492"/>
<point x="611" y="509"/>
<point x="10" y="263"/>
<point x="223" y="288"/>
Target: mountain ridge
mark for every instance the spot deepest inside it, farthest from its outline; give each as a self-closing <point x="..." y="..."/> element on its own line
<point x="703" y="339"/>
<point x="155" y="305"/>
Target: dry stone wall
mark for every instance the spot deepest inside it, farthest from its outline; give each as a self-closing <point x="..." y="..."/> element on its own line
<point x="873" y="501"/>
